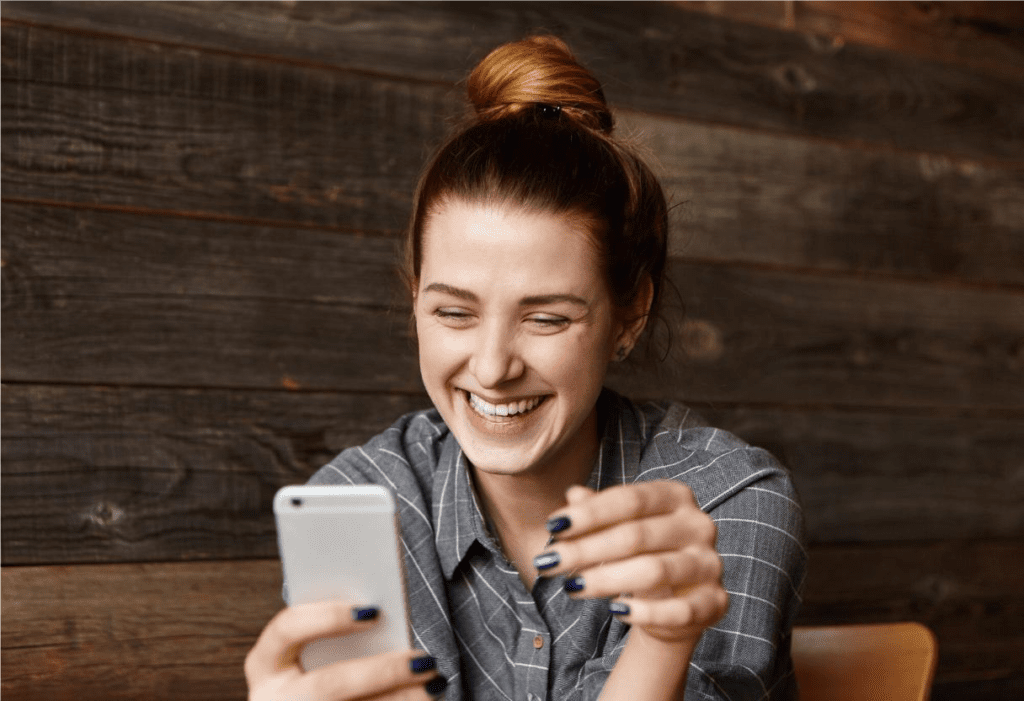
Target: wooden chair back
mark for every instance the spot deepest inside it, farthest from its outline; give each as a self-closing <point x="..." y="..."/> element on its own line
<point x="890" y="662"/>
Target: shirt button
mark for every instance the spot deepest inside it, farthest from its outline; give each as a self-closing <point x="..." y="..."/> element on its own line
<point x="538" y="642"/>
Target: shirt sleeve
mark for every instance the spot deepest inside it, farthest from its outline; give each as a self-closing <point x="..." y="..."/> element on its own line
<point x="746" y="655"/>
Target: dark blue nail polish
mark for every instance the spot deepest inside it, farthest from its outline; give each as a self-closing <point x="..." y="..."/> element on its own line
<point x="436" y="686"/>
<point x="558" y="524"/>
<point x="422" y="664"/>
<point x="545" y="561"/>
<point x="574" y="585"/>
<point x="364" y="613"/>
<point x="619" y="609"/>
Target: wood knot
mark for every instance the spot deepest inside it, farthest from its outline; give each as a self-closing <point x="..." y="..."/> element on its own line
<point x="795" y="79"/>
<point x="702" y="340"/>
<point x="105" y="514"/>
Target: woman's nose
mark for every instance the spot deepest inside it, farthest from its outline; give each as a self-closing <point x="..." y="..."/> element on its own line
<point x="495" y="360"/>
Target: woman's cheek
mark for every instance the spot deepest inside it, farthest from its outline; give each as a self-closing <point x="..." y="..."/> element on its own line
<point x="441" y="349"/>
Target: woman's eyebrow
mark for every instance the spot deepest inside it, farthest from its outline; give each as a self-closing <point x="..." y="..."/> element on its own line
<point x="533" y="300"/>
<point x="552" y="299"/>
<point x="453" y="291"/>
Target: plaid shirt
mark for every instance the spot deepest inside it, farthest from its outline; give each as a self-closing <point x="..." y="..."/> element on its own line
<point x="495" y="640"/>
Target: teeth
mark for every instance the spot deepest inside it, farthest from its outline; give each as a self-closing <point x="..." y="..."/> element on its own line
<point x="520" y="407"/>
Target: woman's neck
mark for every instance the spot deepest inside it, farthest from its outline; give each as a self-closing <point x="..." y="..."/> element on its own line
<point x="519" y="505"/>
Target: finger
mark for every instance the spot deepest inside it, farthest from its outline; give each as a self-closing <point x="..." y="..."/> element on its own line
<point x="278" y="645"/>
<point x="577" y="493"/>
<point x="388" y="675"/>
<point x="661" y="533"/>
<point x="670" y="571"/>
<point x="616" y="504"/>
<point x="698" y="608"/>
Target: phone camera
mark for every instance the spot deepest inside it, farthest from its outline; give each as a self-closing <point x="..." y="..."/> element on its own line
<point x="296" y="501"/>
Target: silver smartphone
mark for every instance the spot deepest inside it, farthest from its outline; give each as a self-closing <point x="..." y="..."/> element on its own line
<point x="341" y="543"/>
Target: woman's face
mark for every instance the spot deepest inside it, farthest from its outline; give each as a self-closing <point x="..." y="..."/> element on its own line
<point x="516" y="327"/>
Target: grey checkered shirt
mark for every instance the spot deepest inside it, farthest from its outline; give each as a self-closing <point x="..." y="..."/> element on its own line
<point x="495" y="640"/>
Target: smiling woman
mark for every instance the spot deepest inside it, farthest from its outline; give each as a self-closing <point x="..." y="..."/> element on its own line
<point x="560" y="540"/>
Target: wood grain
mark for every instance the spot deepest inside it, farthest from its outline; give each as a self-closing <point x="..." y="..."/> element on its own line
<point x="987" y="36"/>
<point x="778" y="337"/>
<point x="164" y="630"/>
<point x="134" y="631"/>
<point x="98" y="121"/>
<point x="99" y="297"/>
<point x="650" y="56"/>
<point x="967" y="592"/>
<point x="743" y="197"/>
<point x="98" y="474"/>
<point x="158" y="129"/>
<point x="866" y="476"/>
<point x="115" y="475"/>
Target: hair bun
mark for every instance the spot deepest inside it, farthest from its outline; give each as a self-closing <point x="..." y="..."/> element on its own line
<point x="538" y="70"/>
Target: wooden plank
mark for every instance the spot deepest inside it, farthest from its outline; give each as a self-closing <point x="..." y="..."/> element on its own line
<point x="983" y="35"/>
<point x="984" y="689"/>
<point x="99" y="121"/>
<point x="752" y="336"/>
<point x="652" y="56"/>
<point x="164" y="630"/>
<point x="873" y="477"/>
<point x="122" y="475"/>
<point x="96" y="474"/>
<point x="967" y="592"/>
<point x="343" y="151"/>
<point x="738" y="196"/>
<point x="134" y="631"/>
<point x="106" y="298"/>
<point x="103" y="297"/>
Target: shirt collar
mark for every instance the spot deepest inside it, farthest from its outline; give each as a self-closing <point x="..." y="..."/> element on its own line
<point x="622" y="438"/>
<point x="457" y="516"/>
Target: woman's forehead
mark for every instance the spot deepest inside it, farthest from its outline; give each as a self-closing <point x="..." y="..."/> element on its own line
<point x="465" y="239"/>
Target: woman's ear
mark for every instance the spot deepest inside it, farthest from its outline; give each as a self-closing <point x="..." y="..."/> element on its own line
<point x="634" y="320"/>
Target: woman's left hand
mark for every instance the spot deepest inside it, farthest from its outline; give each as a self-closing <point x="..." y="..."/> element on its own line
<point x="647" y="546"/>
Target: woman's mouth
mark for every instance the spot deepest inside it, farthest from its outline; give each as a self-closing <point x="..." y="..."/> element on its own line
<point x="493" y="411"/>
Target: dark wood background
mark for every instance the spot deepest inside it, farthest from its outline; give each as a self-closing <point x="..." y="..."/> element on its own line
<point x="201" y="205"/>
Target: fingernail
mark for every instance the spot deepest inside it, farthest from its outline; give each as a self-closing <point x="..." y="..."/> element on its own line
<point x="422" y="664"/>
<point x="436" y="686"/>
<point x="546" y="561"/>
<point x="364" y="613"/>
<point x="574" y="585"/>
<point x="558" y="524"/>
<point x="619" y="609"/>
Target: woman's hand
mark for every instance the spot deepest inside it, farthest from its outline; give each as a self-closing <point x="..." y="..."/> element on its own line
<point x="648" y="547"/>
<point x="274" y="673"/>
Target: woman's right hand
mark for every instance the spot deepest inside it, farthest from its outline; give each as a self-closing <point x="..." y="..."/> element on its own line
<point x="274" y="673"/>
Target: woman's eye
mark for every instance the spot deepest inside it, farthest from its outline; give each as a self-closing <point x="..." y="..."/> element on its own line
<point x="549" y="322"/>
<point x="452" y="316"/>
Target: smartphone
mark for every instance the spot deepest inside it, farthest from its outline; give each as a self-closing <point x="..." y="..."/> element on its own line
<point x="341" y="543"/>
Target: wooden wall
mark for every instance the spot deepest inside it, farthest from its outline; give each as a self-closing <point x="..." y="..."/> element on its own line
<point x="201" y="203"/>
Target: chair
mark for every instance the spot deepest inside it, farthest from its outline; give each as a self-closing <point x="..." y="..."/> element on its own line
<point x="888" y="662"/>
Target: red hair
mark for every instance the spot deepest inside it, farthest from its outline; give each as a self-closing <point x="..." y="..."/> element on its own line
<point x="543" y="140"/>
<point x="538" y="70"/>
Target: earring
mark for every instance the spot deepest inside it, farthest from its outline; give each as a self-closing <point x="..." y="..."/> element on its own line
<point x="621" y="353"/>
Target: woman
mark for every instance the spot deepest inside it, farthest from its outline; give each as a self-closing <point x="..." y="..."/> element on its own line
<point x="560" y="541"/>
